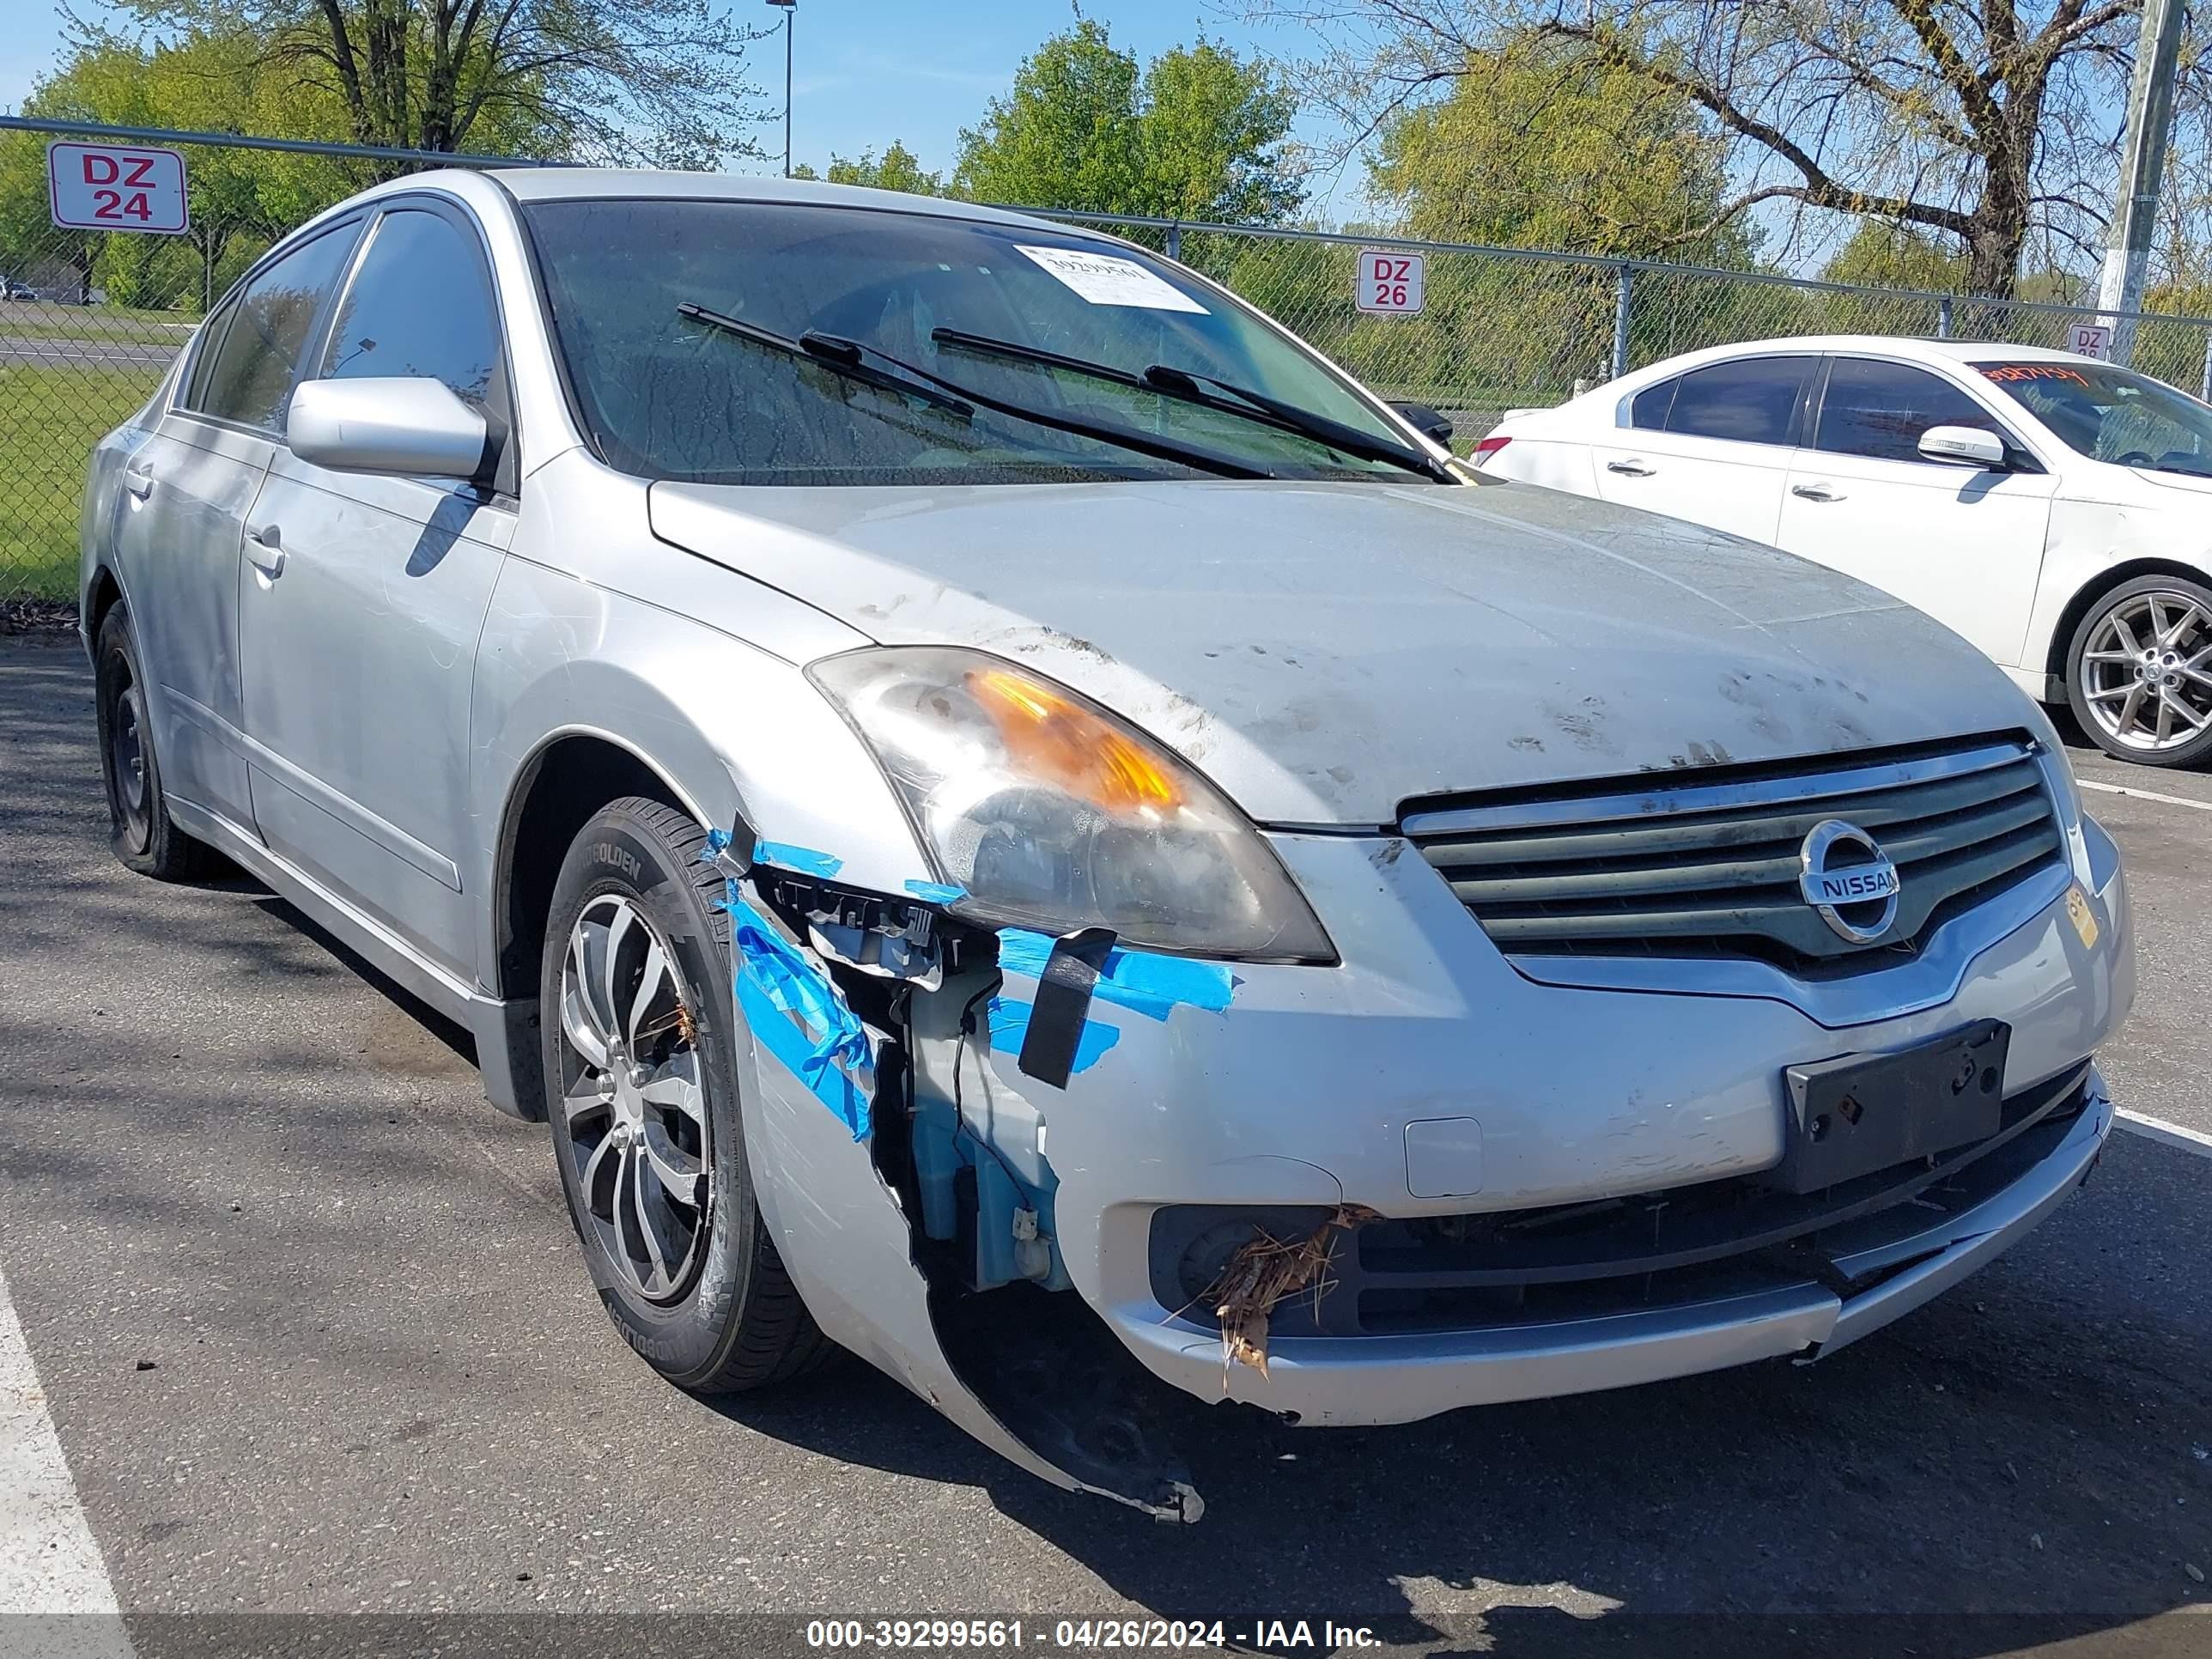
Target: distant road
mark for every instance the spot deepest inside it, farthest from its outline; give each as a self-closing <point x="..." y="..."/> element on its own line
<point x="83" y="353"/>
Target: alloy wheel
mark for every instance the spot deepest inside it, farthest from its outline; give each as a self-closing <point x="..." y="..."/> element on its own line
<point x="632" y="1098"/>
<point x="2147" y="672"/>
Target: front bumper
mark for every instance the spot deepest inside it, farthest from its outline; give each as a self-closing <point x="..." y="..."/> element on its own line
<point x="1426" y="1049"/>
<point x="1322" y="1381"/>
<point x="1424" y="1077"/>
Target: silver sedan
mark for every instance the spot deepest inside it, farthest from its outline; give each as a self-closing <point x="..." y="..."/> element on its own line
<point x="1014" y="820"/>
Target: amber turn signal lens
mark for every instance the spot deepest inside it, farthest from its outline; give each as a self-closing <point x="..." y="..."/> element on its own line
<point x="1061" y="741"/>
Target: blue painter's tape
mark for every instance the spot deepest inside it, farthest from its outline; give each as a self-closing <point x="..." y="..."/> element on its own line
<point x="1009" y="1024"/>
<point x="804" y="859"/>
<point x="1142" y="980"/>
<point x="936" y="892"/>
<point x="801" y="1018"/>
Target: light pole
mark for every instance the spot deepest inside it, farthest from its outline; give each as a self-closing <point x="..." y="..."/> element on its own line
<point x="790" y="10"/>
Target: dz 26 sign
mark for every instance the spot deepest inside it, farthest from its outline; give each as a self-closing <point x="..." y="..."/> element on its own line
<point x="117" y="187"/>
<point x="1389" y="282"/>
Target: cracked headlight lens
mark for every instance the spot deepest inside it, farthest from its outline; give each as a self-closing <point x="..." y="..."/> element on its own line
<point x="1055" y="814"/>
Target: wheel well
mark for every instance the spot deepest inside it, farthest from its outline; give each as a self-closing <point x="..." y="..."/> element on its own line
<point x="570" y="779"/>
<point x="2062" y="636"/>
<point x="106" y="593"/>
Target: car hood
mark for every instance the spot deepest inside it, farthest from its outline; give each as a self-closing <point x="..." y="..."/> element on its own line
<point x="1326" y="652"/>
<point x="2187" y="483"/>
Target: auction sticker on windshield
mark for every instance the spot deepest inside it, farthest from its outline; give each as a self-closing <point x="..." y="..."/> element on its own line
<point x="1105" y="280"/>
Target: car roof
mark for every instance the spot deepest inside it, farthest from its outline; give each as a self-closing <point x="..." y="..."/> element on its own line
<point x="646" y="184"/>
<point x="1883" y="345"/>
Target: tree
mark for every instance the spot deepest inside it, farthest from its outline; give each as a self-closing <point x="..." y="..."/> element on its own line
<point x="1199" y="134"/>
<point x="1986" y="123"/>
<point x="240" y="200"/>
<point x="1544" y="143"/>
<point x="1879" y="255"/>
<point x="898" y="169"/>
<point x="658" y="80"/>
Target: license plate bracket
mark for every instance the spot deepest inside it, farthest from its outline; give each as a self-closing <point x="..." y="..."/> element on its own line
<point x="1854" y="1115"/>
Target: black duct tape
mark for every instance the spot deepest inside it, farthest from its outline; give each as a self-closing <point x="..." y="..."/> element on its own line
<point x="1063" y="1005"/>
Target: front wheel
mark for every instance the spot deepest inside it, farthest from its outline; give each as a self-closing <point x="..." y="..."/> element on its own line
<point x="2139" y="671"/>
<point x="641" y="1086"/>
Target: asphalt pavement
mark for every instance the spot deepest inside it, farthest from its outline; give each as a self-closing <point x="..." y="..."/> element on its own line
<point x="310" y="1323"/>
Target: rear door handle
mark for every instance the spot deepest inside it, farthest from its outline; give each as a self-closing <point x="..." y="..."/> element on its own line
<point x="139" y="484"/>
<point x="265" y="547"/>
<point x="1630" y="469"/>
<point x="1816" y="492"/>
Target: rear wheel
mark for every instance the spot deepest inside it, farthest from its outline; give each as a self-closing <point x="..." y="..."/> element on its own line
<point x="140" y="829"/>
<point x="641" y="1086"/>
<point x="2139" y="671"/>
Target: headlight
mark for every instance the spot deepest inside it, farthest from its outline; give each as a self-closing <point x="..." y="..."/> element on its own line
<point x="1055" y="814"/>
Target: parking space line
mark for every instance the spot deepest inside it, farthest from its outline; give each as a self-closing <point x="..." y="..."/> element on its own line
<point x="2173" y="1134"/>
<point x="2144" y="794"/>
<point x="49" y="1566"/>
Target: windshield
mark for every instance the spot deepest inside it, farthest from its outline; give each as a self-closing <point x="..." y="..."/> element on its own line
<point x="2113" y="414"/>
<point x="668" y="397"/>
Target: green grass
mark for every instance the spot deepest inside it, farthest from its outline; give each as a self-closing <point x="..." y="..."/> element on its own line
<point x="49" y="419"/>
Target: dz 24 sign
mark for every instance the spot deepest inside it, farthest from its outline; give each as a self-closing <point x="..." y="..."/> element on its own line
<point x="117" y="187"/>
<point x="1389" y="282"/>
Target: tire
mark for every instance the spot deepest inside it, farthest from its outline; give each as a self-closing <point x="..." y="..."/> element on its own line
<point x="140" y="829"/>
<point x="2130" y="678"/>
<point x="652" y="1159"/>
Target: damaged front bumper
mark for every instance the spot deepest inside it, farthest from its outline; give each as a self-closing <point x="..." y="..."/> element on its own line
<point x="1423" y="1079"/>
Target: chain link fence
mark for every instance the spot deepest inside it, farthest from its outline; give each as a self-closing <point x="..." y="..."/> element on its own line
<point x="91" y="320"/>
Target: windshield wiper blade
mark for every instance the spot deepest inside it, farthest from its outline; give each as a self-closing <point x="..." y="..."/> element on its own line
<point x="845" y="356"/>
<point x="1319" y="428"/>
<point x="1190" y="388"/>
<point x="838" y="357"/>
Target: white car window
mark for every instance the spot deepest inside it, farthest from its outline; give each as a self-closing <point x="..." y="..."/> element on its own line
<point x="1879" y="409"/>
<point x="1751" y="400"/>
<point x="2113" y="414"/>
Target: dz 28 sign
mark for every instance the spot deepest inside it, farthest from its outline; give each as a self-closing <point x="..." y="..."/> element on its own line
<point x="117" y="187"/>
<point x="1389" y="282"/>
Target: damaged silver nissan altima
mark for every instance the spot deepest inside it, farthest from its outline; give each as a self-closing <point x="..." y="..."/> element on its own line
<point x="1015" y="820"/>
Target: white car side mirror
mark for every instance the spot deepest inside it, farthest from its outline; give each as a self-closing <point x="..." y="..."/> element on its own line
<point x="1964" y="445"/>
<point x="412" y="426"/>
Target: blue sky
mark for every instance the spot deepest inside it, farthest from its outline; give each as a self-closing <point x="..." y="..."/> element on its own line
<point x="866" y="72"/>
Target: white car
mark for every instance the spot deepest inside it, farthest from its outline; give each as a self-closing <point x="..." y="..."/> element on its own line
<point x="2049" y="507"/>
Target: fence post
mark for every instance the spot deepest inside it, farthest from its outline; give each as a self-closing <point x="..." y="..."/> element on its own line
<point x="2206" y="393"/>
<point x="1174" y="241"/>
<point x="1944" y="318"/>
<point x="1623" y="283"/>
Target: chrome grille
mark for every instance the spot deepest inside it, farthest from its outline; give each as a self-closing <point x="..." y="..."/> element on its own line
<point x="1706" y="863"/>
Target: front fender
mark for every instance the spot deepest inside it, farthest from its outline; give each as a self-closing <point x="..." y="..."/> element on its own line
<point x="740" y="735"/>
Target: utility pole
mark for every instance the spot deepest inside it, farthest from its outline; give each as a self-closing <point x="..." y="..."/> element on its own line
<point x="2142" y="161"/>
<point x="790" y="9"/>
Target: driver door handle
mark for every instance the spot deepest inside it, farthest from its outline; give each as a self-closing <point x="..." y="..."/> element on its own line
<point x="264" y="547"/>
<point x="138" y="481"/>
<point x="1630" y="469"/>
<point x="1816" y="492"/>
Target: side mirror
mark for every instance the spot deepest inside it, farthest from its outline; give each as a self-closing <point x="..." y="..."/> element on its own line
<point x="1425" y="421"/>
<point x="412" y="426"/>
<point x="1964" y="445"/>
